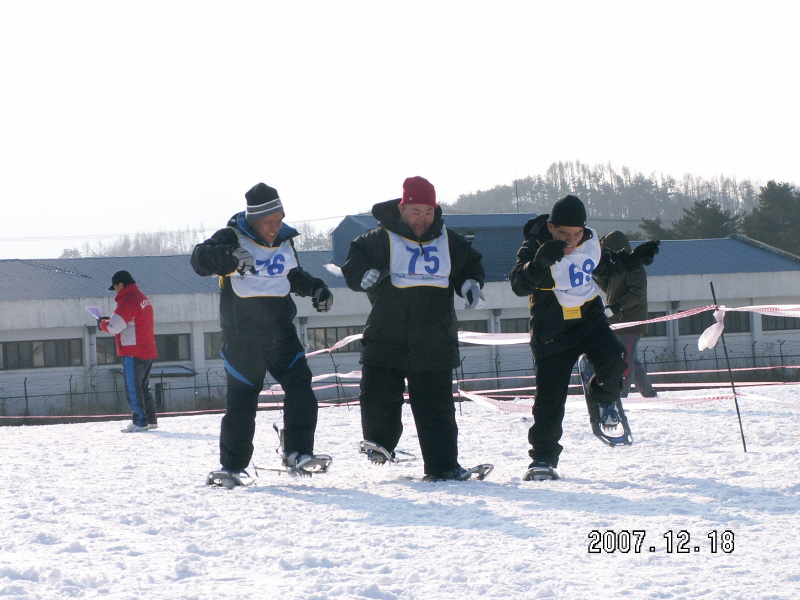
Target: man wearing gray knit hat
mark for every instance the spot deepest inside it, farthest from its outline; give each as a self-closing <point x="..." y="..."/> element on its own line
<point x="255" y="258"/>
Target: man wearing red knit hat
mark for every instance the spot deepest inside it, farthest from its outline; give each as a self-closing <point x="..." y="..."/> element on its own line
<point x="410" y="266"/>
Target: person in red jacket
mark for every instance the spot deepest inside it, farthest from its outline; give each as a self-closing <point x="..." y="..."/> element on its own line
<point x="132" y="326"/>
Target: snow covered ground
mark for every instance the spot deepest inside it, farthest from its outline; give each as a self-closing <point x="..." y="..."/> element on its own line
<point x="86" y="511"/>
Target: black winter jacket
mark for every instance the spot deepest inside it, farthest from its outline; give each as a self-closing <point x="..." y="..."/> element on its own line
<point x="268" y="318"/>
<point x="413" y="328"/>
<point x="550" y="332"/>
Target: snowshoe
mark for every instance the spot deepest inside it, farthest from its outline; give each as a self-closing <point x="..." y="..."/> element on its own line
<point x="295" y="463"/>
<point x="609" y="423"/>
<point x="380" y="455"/>
<point x="461" y="474"/>
<point x="306" y="465"/>
<point x="540" y="470"/>
<point x="229" y="478"/>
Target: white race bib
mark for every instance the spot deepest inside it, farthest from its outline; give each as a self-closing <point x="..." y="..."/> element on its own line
<point x="413" y="264"/>
<point x="574" y="285"/>
<point x="272" y="266"/>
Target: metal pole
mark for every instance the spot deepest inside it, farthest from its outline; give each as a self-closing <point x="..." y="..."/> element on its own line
<point x="730" y="372"/>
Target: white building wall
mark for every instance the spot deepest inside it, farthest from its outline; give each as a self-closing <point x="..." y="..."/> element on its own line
<point x="197" y="314"/>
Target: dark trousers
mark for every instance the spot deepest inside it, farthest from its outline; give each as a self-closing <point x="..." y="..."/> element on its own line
<point x="136" y="372"/>
<point x="553" y="372"/>
<point x="635" y="372"/>
<point x="431" y="398"/>
<point x="246" y="364"/>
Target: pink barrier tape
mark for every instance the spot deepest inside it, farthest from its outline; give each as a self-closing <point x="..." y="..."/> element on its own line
<point x="495" y="378"/>
<point x="723" y="370"/>
<point x="342" y="342"/>
<point x="672" y="317"/>
<point x="502" y="405"/>
<point x="751" y="396"/>
<point x="633" y="403"/>
<point x="501" y="339"/>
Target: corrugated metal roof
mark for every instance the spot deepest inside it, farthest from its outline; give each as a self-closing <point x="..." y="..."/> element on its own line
<point x="460" y="221"/>
<point x="58" y="278"/>
<point x="718" y="256"/>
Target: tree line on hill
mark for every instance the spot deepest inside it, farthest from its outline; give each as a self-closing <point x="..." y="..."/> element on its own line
<point x="183" y="242"/>
<point x="697" y="209"/>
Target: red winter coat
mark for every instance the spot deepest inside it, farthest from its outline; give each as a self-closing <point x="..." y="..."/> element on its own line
<point x="132" y="324"/>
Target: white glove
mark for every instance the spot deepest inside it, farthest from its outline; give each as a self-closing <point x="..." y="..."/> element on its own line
<point x="246" y="261"/>
<point x="471" y="290"/>
<point x="369" y="279"/>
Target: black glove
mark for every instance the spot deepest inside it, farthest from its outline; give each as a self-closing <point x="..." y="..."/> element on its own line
<point x="550" y="253"/>
<point x="612" y="309"/>
<point x="642" y="255"/>
<point x="218" y="259"/>
<point x="322" y="300"/>
<point x="646" y="252"/>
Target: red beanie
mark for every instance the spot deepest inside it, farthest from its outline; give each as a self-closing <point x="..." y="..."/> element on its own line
<point x="418" y="190"/>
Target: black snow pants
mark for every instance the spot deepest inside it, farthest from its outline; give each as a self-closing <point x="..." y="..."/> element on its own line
<point x="247" y="361"/>
<point x="431" y="398"/>
<point x="553" y="372"/>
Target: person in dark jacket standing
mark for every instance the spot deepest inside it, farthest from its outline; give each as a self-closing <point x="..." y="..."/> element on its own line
<point x="410" y="266"/>
<point x="555" y="267"/>
<point x="132" y="324"/>
<point x="626" y="302"/>
<point x="254" y="257"/>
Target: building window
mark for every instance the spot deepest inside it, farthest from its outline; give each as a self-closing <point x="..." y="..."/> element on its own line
<point x="772" y="323"/>
<point x="655" y="329"/>
<point x="107" y="351"/>
<point x="735" y="322"/>
<point x="320" y="338"/>
<point x="514" y="325"/>
<point x="175" y="346"/>
<point x="45" y="353"/>
<point x="213" y="345"/>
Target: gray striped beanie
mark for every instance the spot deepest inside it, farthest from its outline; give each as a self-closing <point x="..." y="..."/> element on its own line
<point x="262" y="201"/>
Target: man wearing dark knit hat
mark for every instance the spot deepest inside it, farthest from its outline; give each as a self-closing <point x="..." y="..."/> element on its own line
<point x="254" y="257"/>
<point x="410" y="267"/>
<point x="556" y="266"/>
<point x="132" y="325"/>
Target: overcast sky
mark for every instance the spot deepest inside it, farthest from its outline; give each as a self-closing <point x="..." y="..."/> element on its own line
<point x="130" y="117"/>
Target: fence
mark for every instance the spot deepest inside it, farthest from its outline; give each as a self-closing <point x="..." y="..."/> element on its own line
<point x="206" y="392"/>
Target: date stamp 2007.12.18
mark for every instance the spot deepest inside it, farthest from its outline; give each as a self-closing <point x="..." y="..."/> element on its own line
<point x="671" y="542"/>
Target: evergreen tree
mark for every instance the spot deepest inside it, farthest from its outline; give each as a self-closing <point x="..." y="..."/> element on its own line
<point x="776" y="219"/>
<point x="654" y="231"/>
<point x="705" y="219"/>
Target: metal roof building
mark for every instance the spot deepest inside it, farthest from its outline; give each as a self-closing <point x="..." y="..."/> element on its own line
<point x="42" y="305"/>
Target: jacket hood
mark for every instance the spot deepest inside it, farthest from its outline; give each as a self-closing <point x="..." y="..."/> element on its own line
<point x="239" y="222"/>
<point x="616" y="241"/>
<point x="388" y="216"/>
<point x="534" y="227"/>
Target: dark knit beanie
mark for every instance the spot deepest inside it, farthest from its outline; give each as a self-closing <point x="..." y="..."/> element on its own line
<point x="418" y="190"/>
<point x="122" y="277"/>
<point x="262" y="201"/>
<point x="568" y="212"/>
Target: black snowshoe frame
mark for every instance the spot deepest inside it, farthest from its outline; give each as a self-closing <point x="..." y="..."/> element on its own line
<point x="625" y="438"/>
